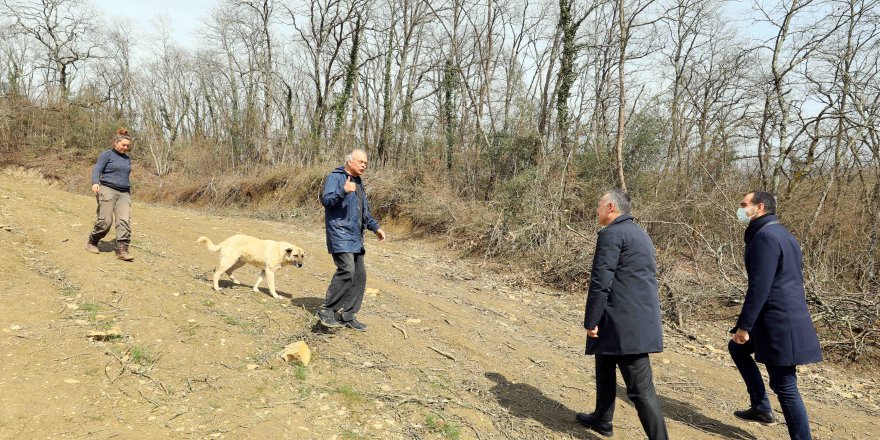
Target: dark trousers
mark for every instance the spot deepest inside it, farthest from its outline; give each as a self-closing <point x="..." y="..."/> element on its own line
<point x="637" y="375"/>
<point x="346" y="290"/>
<point x="783" y="382"/>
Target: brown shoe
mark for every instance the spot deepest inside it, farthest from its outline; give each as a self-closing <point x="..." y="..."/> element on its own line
<point x="122" y="252"/>
<point x="92" y="246"/>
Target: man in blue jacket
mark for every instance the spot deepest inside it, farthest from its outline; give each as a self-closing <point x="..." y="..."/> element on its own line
<point x="774" y="323"/>
<point x="346" y="215"/>
<point x="622" y="318"/>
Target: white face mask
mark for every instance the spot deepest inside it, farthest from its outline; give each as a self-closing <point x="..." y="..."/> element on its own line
<point x="743" y="216"/>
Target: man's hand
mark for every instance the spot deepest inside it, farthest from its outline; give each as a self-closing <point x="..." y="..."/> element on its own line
<point x="349" y="185"/>
<point x="740" y="337"/>
<point x="96" y="188"/>
<point x="593" y="333"/>
<point x="381" y="234"/>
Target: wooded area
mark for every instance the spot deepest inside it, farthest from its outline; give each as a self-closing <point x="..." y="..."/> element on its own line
<point x="498" y="123"/>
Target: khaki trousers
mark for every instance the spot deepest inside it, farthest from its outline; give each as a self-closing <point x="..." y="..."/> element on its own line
<point x="112" y="203"/>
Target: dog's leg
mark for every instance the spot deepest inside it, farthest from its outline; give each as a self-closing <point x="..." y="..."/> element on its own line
<point x="259" y="280"/>
<point x="217" y="279"/>
<point x="234" y="267"/>
<point x="226" y="263"/>
<point x="270" y="279"/>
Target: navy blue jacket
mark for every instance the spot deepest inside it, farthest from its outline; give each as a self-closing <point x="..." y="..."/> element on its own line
<point x="345" y="215"/>
<point x="113" y="169"/>
<point x="775" y="309"/>
<point x="623" y="299"/>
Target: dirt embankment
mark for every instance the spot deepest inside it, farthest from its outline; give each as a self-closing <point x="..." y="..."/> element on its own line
<point x="455" y="349"/>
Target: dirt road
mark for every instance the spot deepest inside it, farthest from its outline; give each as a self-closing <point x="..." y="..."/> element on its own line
<point x="455" y="349"/>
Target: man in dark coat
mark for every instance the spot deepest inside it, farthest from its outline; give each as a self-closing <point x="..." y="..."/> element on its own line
<point x="346" y="215"/>
<point x="622" y="318"/>
<point x="774" y="323"/>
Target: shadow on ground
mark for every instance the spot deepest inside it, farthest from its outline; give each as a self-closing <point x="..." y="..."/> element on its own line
<point x="309" y="303"/>
<point x="526" y="401"/>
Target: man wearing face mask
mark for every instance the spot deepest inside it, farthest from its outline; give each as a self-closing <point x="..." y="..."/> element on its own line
<point x="774" y="324"/>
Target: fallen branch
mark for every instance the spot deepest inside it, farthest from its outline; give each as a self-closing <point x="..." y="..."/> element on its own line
<point x="443" y="353"/>
<point x="401" y="330"/>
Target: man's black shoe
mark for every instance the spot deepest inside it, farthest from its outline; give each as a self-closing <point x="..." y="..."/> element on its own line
<point x="328" y="321"/>
<point x="355" y="324"/>
<point x="753" y="415"/>
<point x="590" y="421"/>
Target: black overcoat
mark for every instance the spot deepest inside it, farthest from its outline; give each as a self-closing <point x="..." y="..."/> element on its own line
<point x="775" y="308"/>
<point x="623" y="298"/>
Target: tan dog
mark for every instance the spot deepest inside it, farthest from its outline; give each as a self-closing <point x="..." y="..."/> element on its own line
<point x="268" y="255"/>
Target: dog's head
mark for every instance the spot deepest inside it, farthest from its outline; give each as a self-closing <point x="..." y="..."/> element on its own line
<point x="293" y="255"/>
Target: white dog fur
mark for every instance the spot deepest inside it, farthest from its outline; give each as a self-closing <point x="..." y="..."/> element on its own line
<point x="268" y="255"/>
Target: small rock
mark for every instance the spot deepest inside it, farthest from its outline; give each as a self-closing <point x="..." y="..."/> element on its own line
<point x="191" y="321"/>
<point x="14" y="327"/>
<point x="81" y="322"/>
<point x="371" y="291"/>
<point x="71" y="381"/>
<point x="297" y="351"/>
<point x="113" y="333"/>
<point x="252" y="367"/>
<point x="369" y="364"/>
<point x="100" y="318"/>
<point x="413" y="321"/>
<point x="665" y="361"/>
<point x="72" y="306"/>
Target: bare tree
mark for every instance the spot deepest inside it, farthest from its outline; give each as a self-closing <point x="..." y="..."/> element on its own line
<point x="629" y="19"/>
<point x="62" y="28"/>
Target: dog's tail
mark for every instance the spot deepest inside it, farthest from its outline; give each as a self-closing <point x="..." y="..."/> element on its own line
<point x="210" y="244"/>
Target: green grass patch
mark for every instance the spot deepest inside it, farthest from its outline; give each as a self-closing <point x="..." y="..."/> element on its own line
<point x="231" y="320"/>
<point x="140" y="355"/>
<point x="351" y="435"/>
<point x="439" y="425"/>
<point x="299" y="372"/>
<point x="90" y="307"/>
<point x="247" y="326"/>
<point x="350" y="395"/>
<point x="305" y="392"/>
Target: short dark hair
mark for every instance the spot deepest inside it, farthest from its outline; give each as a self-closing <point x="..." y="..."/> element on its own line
<point x="620" y="199"/>
<point x="766" y="198"/>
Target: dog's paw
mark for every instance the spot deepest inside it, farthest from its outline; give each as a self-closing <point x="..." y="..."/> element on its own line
<point x="276" y="296"/>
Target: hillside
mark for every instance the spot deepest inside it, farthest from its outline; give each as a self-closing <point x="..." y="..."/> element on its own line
<point x="456" y="348"/>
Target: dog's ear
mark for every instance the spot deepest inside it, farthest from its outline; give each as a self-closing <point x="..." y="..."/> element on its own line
<point x="288" y="251"/>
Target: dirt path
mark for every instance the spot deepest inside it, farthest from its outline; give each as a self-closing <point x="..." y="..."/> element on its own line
<point x="454" y="349"/>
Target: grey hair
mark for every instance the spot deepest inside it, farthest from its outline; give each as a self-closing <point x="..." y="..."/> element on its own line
<point x="620" y="199"/>
<point x="350" y="156"/>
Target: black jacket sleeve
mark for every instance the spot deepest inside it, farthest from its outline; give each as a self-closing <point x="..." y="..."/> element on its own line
<point x="608" y="247"/>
